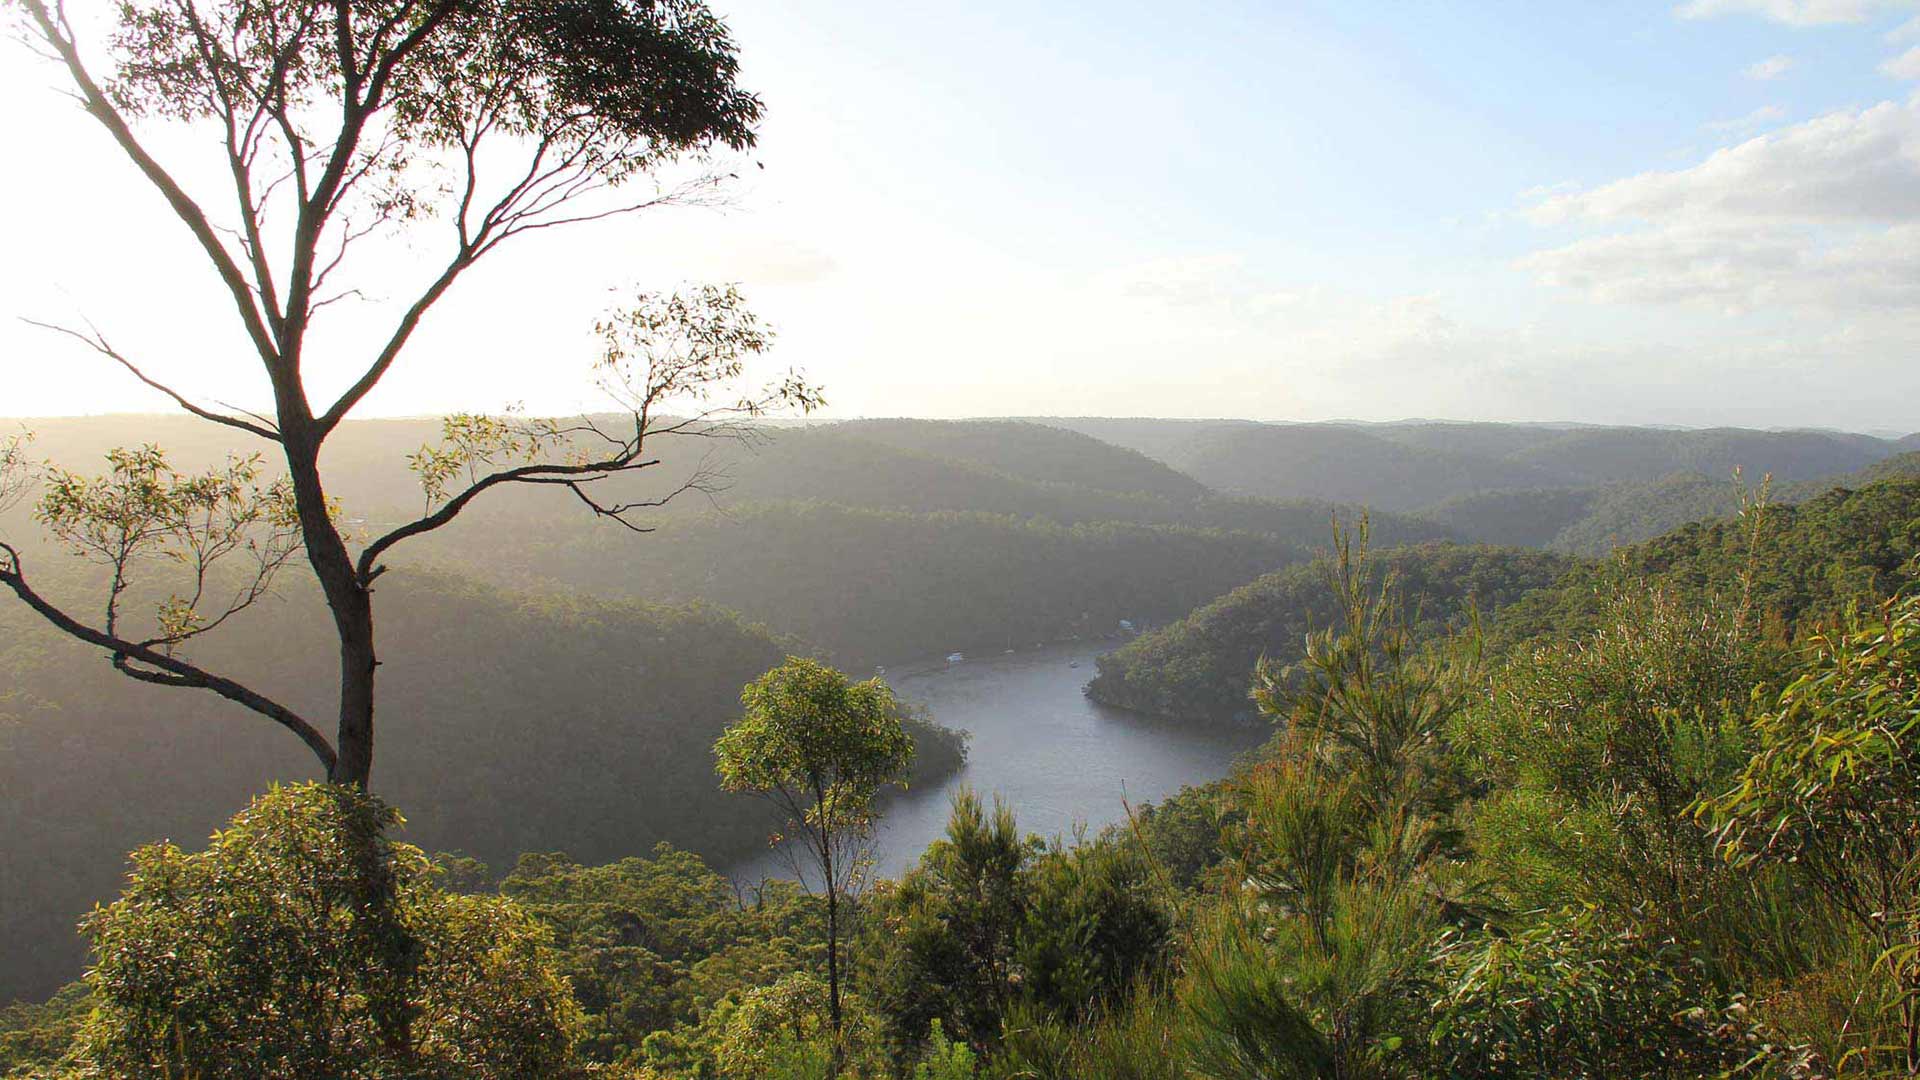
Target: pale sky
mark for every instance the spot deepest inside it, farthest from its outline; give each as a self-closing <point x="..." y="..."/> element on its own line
<point x="1707" y="214"/>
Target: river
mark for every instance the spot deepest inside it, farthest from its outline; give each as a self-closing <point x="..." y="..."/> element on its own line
<point x="1058" y="759"/>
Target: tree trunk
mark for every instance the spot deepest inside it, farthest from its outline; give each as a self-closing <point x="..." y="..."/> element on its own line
<point x="833" y="941"/>
<point x="350" y="602"/>
<point x="354" y="745"/>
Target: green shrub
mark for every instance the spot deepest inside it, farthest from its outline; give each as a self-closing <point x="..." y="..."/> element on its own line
<point x="1572" y="997"/>
<point x="305" y="942"/>
<point x="946" y="1059"/>
<point x="990" y="922"/>
<point x="1832" y="794"/>
<point x="778" y="1032"/>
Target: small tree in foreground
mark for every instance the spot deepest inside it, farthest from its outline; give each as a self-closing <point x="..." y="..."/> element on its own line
<point x="305" y="942"/>
<point x="820" y="748"/>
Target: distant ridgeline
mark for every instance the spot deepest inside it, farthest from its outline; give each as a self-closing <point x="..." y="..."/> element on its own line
<point x="1579" y="489"/>
<point x="1805" y="563"/>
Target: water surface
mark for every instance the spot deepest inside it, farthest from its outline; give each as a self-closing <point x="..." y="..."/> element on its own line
<point x="1059" y="760"/>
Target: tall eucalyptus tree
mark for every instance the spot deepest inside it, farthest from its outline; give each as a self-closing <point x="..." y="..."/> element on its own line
<point x="334" y="120"/>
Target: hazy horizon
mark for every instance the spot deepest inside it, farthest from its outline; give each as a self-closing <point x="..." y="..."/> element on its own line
<point x="830" y="418"/>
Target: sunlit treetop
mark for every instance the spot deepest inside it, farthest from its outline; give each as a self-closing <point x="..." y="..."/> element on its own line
<point x="623" y="79"/>
<point x="825" y="743"/>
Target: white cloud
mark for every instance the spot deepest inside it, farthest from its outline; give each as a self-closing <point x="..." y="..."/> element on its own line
<point x="1792" y="12"/>
<point x="1904" y="66"/>
<point x="1823" y="214"/>
<point x="1771" y="68"/>
<point x="1843" y="167"/>
<point x="1905" y="32"/>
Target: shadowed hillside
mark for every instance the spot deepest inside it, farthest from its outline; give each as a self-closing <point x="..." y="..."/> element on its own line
<point x="882" y="587"/>
<point x="1031" y="451"/>
<point x="509" y="723"/>
<point x="877" y="518"/>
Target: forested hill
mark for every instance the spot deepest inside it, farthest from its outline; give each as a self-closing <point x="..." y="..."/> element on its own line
<point x="1200" y="667"/>
<point x="882" y="587"/>
<point x="1805" y="562"/>
<point x="999" y="467"/>
<point x="509" y="723"/>
<point x="1031" y="451"/>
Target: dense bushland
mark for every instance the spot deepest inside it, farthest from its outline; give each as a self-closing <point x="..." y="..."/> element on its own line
<point x="1670" y="840"/>
<point x="1793" y="564"/>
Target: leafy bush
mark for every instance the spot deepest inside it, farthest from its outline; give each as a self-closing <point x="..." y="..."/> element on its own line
<point x="783" y="1031"/>
<point x="946" y="1059"/>
<point x="1833" y="792"/>
<point x="34" y="1037"/>
<point x="1572" y="997"/>
<point x="990" y="923"/>
<point x="1595" y="748"/>
<point x="306" y="942"/>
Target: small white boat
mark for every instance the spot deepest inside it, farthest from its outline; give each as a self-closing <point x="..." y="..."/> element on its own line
<point x="1075" y="663"/>
<point x="954" y="658"/>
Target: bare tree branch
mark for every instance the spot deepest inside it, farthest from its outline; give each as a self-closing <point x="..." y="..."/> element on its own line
<point x="169" y="670"/>
<point x="59" y="38"/>
<point x="543" y="473"/>
<point x="93" y="340"/>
